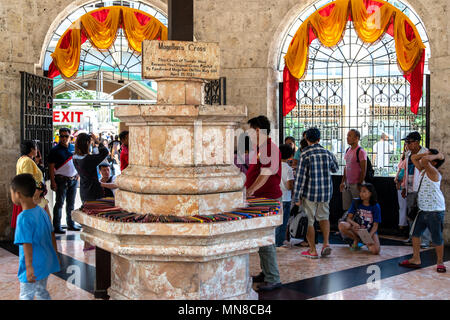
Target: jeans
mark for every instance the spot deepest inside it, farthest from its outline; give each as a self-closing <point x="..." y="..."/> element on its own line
<point x="66" y="190"/>
<point x="269" y="264"/>
<point x="268" y="260"/>
<point x="280" y="231"/>
<point x="426" y="236"/>
<point x="38" y="289"/>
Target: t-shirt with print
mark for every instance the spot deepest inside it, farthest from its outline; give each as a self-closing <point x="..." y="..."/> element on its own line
<point x="266" y="159"/>
<point x="34" y="227"/>
<point x="368" y="214"/>
<point x="352" y="166"/>
<point x="287" y="174"/>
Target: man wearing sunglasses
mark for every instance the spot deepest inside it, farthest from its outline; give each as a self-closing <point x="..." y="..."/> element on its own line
<point x="64" y="181"/>
<point x="412" y="178"/>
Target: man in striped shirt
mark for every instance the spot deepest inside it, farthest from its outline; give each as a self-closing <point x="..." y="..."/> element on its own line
<point x="314" y="188"/>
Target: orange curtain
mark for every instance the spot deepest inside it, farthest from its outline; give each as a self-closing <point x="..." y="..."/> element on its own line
<point x="100" y="28"/>
<point x="66" y="58"/>
<point x="136" y="33"/>
<point x="371" y="20"/>
<point x="102" y="34"/>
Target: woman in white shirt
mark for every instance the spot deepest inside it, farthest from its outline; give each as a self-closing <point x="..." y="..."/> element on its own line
<point x="431" y="203"/>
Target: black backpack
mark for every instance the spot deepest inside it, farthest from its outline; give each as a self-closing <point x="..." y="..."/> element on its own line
<point x="297" y="226"/>
<point x="370" y="173"/>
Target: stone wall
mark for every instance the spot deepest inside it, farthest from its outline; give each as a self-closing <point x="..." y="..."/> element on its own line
<point x="249" y="33"/>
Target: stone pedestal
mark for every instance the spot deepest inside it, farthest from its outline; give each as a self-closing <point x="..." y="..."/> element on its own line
<point x="181" y="163"/>
<point x="180" y="260"/>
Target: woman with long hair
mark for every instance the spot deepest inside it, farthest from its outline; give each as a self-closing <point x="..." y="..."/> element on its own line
<point x="27" y="164"/>
<point x="86" y="164"/>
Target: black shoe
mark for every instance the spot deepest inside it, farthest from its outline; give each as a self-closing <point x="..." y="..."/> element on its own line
<point x="258" y="278"/>
<point x="59" y="231"/>
<point x="73" y="228"/>
<point x="269" y="286"/>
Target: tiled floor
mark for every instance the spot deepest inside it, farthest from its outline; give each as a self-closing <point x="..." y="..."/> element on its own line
<point x="341" y="276"/>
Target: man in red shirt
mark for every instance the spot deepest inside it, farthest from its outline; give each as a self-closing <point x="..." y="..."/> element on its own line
<point x="123" y="136"/>
<point x="263" y="180"/>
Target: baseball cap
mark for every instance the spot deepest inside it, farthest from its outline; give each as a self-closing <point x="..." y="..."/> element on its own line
<point x="413" y="136"/>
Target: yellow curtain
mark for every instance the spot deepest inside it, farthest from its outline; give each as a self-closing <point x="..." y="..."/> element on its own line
<point x="369" y="26"/>
<point x="329" y="29"/>
<point x="408" y="52"/>
<point x="136" y="33"/>
<point x="103" y="34"/>
<point x="296" y="59"/>
<point x="67" y="60"/>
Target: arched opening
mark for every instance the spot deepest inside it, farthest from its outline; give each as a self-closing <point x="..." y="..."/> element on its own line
<point x="357" y="85"/>
<point x="113" y="74"/>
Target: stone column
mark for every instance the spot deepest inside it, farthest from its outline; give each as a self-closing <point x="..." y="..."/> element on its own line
<point x="180" y="163"/>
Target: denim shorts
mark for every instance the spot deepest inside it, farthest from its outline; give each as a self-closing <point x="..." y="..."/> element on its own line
<point x="36" y="289"/>
<point x="434" y="220"/>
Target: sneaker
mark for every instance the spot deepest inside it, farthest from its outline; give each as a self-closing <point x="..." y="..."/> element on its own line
<point x="258" y="278"/>
<point x="308" y="254"/>
<point x="424" y="245"/>
<point x="269" y="286"/>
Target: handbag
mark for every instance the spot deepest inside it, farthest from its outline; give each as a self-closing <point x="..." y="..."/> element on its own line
<point x="414" y="209"/>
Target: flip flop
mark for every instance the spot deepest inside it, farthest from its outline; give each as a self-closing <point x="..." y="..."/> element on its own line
<point x="407" y="264"/>
<point x="441" y="268"/>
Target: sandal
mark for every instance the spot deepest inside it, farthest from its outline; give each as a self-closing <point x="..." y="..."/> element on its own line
<point x="407" y="264"/>
<point x="326" y="251"/>
<point x="308" y="254"/>
<point x="441" y="268"/>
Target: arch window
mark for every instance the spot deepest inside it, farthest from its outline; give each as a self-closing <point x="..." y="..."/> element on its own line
<point x="120" y="61"/>
<point x="357" y="85"/>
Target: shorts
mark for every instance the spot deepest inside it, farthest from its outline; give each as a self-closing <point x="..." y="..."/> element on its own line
<point x="350" y="192"/>
<point x="434" y="220"/>
<point x="36" y="289"/>
<point x="319" y="210"/>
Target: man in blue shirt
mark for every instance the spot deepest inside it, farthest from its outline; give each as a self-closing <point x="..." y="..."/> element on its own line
<point x="314" y="188"/>
<point x="36" y="240"/>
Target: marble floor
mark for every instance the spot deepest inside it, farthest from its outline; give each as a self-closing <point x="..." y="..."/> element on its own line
<point x="344" y="275"/>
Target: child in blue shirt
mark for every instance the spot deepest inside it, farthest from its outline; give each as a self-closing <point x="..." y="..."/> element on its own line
<point x="36" y="240"/>
<point x="364" y="213"/>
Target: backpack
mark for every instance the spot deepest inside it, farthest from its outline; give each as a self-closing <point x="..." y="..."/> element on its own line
<point x="370" y="173"/>
<point x="297" y="226"/>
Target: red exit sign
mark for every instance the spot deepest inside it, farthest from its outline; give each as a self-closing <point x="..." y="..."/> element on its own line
<point x="60" y="116"/>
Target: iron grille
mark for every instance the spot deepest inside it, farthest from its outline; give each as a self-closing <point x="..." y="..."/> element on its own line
<point x="36" y="113"/>
<point x="357" y="85"/>
<point x="215" y="92"/>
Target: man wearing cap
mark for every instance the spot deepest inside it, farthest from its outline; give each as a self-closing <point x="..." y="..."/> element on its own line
<point x="412" y="179"/>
